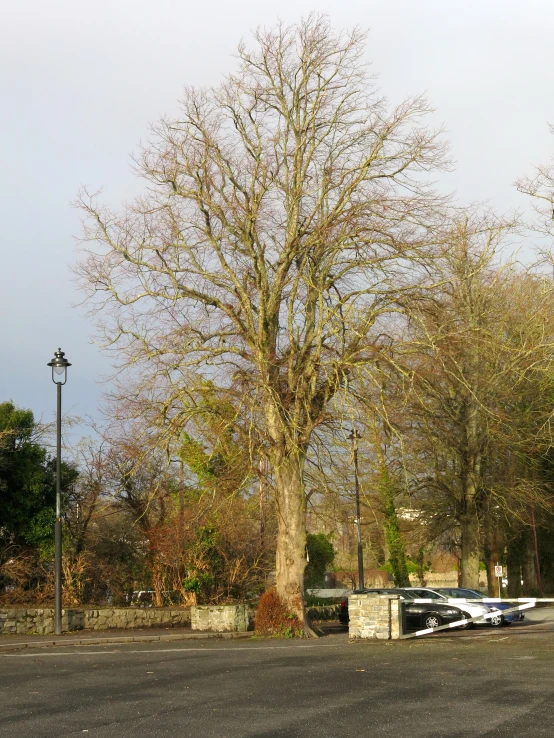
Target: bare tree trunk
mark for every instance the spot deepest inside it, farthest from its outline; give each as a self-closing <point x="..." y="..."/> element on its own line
<point x="469" y="561"/>
<point x="536" y="550"/>
<point x="492" y="579"/>
<point x="263" y="478"/>
<point x="157" y="583"/>
<point x="421" y="566"/>
<point x="291" y="534"/>
<point x="494" y="550"/>
<point x="469" y="522"/>
<point x="516" y="544"/>
<point x="489" y="562"/>
<point x="528" y="569"/>
<point x="514" y="578"/>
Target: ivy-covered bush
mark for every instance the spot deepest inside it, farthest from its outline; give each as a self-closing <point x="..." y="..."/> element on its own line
<point x="321" y="555"/>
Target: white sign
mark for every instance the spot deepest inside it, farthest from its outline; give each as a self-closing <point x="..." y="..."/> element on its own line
<point x="497" y="571"/>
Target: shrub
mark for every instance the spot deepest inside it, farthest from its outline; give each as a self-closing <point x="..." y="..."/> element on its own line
<point x="273" y="618"/>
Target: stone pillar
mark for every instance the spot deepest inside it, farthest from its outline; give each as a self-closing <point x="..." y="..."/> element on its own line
<point x="374" y="616"/>
<point x="395" y="609"/>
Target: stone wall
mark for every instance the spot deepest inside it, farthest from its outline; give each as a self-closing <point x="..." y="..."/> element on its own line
<point x="374" y="616"/>
<point x="372" y="578"/>
<point x="329" y="593"/>
<point x="323" y="612"/>
<point x="443" y="579"/>
<point x="41" y="620"/>
<point x="219" y="618"/>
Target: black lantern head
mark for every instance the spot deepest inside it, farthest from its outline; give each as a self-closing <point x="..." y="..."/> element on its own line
<point x="59" y="366"/>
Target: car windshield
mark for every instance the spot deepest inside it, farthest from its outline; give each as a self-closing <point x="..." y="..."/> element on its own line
<point x="465" y="594"/>
<point x="407" y="595"/>
<point x="472" y="594"/>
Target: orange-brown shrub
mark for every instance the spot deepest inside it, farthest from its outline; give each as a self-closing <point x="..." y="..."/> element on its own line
<point x="273" y="618"/>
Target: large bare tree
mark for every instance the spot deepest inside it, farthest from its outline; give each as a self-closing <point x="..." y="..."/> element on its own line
<point x="280" y="215"/>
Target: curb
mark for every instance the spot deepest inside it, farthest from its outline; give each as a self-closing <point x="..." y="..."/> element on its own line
<point x="20" y="645"/>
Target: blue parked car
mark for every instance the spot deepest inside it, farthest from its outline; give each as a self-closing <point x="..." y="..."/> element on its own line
<point x="473" y="594"/>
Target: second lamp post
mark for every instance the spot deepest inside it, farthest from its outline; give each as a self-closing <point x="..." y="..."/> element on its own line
<point x="354" y="436"/>
<point x="59" y="366"/>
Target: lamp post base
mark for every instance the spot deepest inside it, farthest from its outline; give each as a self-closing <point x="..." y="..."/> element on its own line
<point x="58" y="579"/>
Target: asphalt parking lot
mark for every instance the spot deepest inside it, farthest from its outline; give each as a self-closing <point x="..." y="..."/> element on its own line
<point x="490" y="682"/>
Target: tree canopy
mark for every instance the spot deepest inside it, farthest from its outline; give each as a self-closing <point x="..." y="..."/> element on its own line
<point x="27" y="480"/>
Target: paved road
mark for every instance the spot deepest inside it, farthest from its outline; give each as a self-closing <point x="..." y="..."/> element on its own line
<point x="497" y="686"/>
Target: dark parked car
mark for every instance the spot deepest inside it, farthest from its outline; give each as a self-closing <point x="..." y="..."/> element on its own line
<point x="418" y="616"/>
<point x="474" y="594"/>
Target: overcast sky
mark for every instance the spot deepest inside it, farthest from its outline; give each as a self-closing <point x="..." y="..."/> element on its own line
<point x="81" y="80"/>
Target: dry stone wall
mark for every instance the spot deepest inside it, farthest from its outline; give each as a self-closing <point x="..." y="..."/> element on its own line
<point x="41" y="620"/>
<point x="443" y="579"/>
<point x="324" y="612"/>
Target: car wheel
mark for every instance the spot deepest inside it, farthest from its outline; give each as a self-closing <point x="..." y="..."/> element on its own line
<point x="497" y="620"/>
<point x="432" y="620"/>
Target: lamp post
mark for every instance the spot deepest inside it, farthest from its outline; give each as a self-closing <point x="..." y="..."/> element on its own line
<point x="354" y="436"/>
<point x="59" y="366"/>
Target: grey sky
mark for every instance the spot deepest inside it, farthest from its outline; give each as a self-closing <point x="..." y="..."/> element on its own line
<point x="81" y="80"/>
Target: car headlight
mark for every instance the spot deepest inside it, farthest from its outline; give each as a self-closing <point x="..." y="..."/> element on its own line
<point x="494" y="608"/>
<point x="450" y="612"/>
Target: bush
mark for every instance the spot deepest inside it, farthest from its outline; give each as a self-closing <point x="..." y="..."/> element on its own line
<point x="273" y="618"/>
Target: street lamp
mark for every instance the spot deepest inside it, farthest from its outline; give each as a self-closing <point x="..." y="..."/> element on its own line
<point x="354" y="436"/>
<point x="59" y="366"/>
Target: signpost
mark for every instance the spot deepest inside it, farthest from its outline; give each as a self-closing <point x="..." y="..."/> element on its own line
<point x="498" y="573"/>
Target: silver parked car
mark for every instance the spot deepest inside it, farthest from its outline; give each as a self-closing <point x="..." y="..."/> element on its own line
<point x="473" y="594"/>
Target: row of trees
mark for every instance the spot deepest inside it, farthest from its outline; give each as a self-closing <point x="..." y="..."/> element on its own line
<point x="188" y="531"/>
<point x="457" y="416"/>
<point x="291" y="272"/>
<point x="130" y="521"/>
